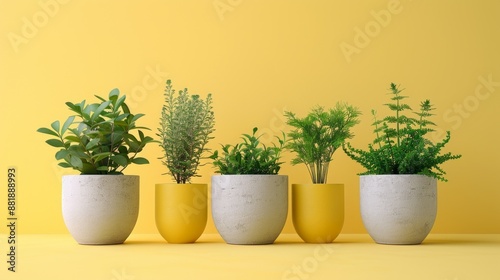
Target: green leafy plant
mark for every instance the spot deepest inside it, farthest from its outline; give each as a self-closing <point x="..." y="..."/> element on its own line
<point x="317" y="136"/>
<point x="400" y="145"/>
<point x="186" y="124"/>
<point x="249" y="157"/>
<point x="98" y="139"/>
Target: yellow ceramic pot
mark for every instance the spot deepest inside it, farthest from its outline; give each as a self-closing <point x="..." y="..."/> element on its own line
<point x="181" y="211"/>
<point x="318" y="211"/>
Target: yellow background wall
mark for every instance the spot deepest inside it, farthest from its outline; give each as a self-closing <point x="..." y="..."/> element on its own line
<point x="258" y="58"/>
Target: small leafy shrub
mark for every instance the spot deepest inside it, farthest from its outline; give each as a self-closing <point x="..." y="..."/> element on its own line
<point x="98" y="139"/>
<point x="249" y="157"/>
<point x="186" y="124"/>
<point x="317" y="136"/>
<point x="400" y="145"/>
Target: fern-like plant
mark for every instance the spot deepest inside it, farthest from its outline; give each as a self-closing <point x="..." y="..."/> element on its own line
<point x="249" y="157"/>
<point x="400" y="145"/>
<point x="186" y="123"/>
<point x="317" y="136"/>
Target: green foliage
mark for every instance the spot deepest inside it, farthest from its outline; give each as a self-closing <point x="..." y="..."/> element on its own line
<point x="98" y="139"/>
<point x="185" y="126"/>
<point x="400" y="145"/>
<point x="248" y="157"/>
<point x="317" y="136"/>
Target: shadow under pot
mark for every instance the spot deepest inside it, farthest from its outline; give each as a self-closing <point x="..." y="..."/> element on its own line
<point x="181" y="211"/>
<point x="249" y="209"/>
<point x="100" y="209"/>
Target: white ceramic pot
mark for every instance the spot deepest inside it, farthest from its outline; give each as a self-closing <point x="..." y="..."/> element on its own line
<point x="398" y="209"/>
<point x="249" y="209"/>
<point x="100" y="209"/>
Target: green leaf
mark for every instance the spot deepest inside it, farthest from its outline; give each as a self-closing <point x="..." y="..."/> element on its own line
<point x="100" y="156"/>
<point x="118" y="103"/>
<point x="140" y="160"/>
<point x="99" y="110"/>
<point x="66" y="124"/>
<point x="136" y="117"/>
<point x="125" y="108"/>
<point x="56" y="126"/>
<point x="73" y="138"/>
<point x="61" y="154"/>
<point x="100" y="98"/>
<point x="121" y="160"/>
<point x="64" y="165"/>
<point x="76" y="162"/>
<point x="55" y="143"/>
<point x="114" y="92"/>
<point x="47" y="131"/>
<point x="92" y="143"/>
<point x="102" y="168"/>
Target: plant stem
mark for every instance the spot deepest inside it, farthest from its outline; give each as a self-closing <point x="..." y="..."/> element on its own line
<point x="397" y="118"/>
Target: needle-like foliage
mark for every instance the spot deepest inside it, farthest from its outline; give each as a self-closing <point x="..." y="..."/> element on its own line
<point x="400" y="145"/>
<point x="186" y="123"/>
<point x="317" y="136"/>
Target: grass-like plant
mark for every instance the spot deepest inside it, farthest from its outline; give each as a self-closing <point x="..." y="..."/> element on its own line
<point x="317" y="136"/>
<point x="98" y="139"/>
<point x="400" y="145"/>
<point x="186" y="123"/>
<point x="249" y="156"/>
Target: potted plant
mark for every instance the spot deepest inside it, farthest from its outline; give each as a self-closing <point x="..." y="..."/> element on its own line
<point x="249" y="198"/>
<point x="186" y="123"/>
<point x="398" y="195"/>
<point x="318" y="208"/>
<point x="101" y="205"/>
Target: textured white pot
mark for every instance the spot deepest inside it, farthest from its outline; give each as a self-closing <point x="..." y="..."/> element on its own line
<point x="100" y="209"/>
<point x="249" y="209"/>
<point x="398" y="209"/>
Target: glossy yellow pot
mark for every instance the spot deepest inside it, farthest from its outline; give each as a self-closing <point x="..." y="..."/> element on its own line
<point x="318" y="211"/>
<point x="181" y="211"/>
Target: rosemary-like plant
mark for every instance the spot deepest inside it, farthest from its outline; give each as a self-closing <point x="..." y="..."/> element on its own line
<point x="317" y="136"/>
<point x="248" y="158"/>
<point x="98" y="139"/>
<point x="186" y="123"/>
<point x="400" y="145"/>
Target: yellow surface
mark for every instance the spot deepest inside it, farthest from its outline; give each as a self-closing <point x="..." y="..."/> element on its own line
<point x="181" y="211"/>
<point x="258" y="58"/>
<point x="318" y="211"/>
<point x="142" y="257"/>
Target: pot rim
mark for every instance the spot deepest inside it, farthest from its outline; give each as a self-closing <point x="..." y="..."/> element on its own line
<point x="180" y="185"/>
<point x="396" y="175"/>
<point x="317" y="184"/>
<point x="99" y="175"/>
<point x="247" y="175"/>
